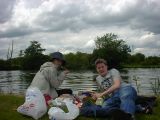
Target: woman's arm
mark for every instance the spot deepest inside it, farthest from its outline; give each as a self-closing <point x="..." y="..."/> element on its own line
<point x="52" y="77"/>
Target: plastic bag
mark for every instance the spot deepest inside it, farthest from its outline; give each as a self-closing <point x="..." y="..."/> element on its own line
<point x="58" y="102"/>
<point x="56" y="113"/>
<point x="34" y="104"/>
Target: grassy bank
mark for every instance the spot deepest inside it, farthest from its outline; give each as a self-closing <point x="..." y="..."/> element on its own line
<point x="9" y="104"/>
<point x="139" y="66"/>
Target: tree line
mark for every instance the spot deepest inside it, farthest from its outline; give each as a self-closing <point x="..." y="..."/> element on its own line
<point x="109" y="46"/>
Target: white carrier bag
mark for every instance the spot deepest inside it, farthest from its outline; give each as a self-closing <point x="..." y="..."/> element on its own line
<point x="55" y="113"/>
<point x="34" y="104"/>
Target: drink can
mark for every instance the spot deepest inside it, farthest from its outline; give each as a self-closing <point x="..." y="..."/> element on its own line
<point x="99" y="101"/>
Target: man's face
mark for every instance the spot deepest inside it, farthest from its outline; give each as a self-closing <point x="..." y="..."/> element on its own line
<point x="102" y="69"/>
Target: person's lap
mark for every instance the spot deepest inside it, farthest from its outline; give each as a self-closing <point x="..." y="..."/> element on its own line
<point x="111" y="103"/>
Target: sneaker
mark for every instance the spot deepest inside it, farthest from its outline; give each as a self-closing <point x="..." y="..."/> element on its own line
<point x="148" y="110"/>
<point x="118" y="114"/>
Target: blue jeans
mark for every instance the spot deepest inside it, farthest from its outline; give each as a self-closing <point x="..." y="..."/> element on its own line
<point x="124" y="98"/>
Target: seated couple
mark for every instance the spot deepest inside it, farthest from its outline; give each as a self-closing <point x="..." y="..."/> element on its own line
<point x="122" y="95"/>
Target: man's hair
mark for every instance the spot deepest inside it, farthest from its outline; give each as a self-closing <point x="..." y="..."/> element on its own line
<point x="99" y="60"/>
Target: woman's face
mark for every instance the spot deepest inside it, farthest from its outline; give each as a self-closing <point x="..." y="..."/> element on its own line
<point x="57" y="62"/>
<point x="102" y="69"/>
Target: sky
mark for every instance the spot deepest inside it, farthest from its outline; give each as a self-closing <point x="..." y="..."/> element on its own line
<point x="73" y="25"/>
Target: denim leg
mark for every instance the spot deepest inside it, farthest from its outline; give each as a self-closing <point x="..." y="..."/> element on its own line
<point x="89" y="109"/>
<point x="112" y="102"/>
<point x="94" y="110"/>
<point x="128" y="96"/>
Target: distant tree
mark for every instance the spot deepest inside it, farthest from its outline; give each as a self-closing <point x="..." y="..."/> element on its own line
<point x="33" y="56"/>
<point x="3" y="65"/>
<point x="109" y="47"/>
<point x="21" y="53"/>
<point x="10" y="52"/>
<point x="152" y="60"/>
<point x="34" y="49"/>
<point x="137" y="58"/>
<point x="78" y="61"/>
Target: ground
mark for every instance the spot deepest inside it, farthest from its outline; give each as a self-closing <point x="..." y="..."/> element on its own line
<point x="9" y="104"/>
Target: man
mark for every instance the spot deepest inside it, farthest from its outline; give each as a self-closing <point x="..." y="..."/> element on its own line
<point x="50" y="76"/>
<point x="119" y="97"/>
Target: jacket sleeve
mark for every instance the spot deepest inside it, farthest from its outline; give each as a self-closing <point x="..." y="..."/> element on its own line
<point x="52" y="77"/>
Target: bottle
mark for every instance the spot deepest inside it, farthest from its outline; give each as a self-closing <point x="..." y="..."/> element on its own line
<point x="99" y="101"/>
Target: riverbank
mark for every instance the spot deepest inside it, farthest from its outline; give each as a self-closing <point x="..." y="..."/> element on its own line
<point x="9" y="104"/>
<point x="139" y="66"/>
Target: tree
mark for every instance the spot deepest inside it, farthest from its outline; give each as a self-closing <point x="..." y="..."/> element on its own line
<point x="34" y="49"/>
<point x="137" y="58"/>
<point x="33" y="56"/>
<point x="21" y="53"/>
<point x="114" y="50"/>
<point x="78" y="60"/>
<point x="10" y="52"/>
<point x="3" y="65"/>
<point x="152" y="60"/>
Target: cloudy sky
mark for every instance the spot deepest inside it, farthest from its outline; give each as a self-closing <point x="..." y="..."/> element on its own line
<point x="73" y="25"/>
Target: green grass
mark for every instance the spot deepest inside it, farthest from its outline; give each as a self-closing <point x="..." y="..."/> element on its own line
<point x="9" y="104"/>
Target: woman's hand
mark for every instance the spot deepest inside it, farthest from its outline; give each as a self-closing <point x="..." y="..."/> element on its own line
<point x="66" y="71"/>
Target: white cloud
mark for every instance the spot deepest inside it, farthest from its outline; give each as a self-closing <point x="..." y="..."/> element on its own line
<point x="148" y="51"/>
<point x="90" y="43"/>
<point x="72" y="25"/>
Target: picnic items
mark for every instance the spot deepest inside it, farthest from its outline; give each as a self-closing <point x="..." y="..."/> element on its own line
<point x="34" y="105"/>
<point x="99" y="101"/>
<point x="56" y="113"/>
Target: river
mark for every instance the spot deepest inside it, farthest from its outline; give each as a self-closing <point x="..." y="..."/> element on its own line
<point x="144" y="80"/>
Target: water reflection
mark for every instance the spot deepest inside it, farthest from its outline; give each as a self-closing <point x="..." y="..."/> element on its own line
<point x="142" y="79"/>
<point x="80" y="81"/>
<point x="14" y="81"/>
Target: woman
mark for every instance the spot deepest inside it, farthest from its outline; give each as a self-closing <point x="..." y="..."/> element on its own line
<point x="50" y="77"/>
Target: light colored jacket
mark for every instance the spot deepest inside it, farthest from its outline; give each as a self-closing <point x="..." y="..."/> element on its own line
<point x="47" y="79"/>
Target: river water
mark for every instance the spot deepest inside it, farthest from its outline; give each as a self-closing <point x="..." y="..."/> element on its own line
<point x="144" y="80"/>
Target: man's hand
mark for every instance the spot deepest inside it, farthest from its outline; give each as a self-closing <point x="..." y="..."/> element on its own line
<point x="96" y="95"/>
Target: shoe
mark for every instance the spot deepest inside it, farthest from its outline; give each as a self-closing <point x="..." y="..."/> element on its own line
<point x="148" y="110"/>
<point x="118" y="114"/>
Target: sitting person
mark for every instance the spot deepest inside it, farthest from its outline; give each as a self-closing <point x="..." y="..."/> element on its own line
<point x="50" y="77"/>
<point x="121" y="99"/>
